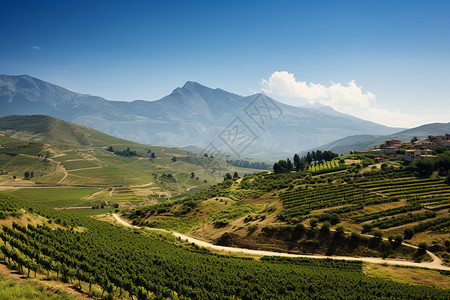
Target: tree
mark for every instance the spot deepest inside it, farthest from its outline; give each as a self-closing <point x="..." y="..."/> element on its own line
<point x="174" y="159"/>
<point x="409" y="232"/>
<point x="422" y="248"/>
<point x="297" y="161"/>
<point x="227" y="176"/>
<point x="302" y="164"/>
<point x="192" y="174"/>
<point x="398" y="240"/>
<point x="414" y="139"/>
<point x="425" y="166"/>
<point x="289" y="165"/>
<point x="309" y="158"/>
<point x="447" y="180"/>
<point x="319" y="155"/>
<point x="110" y="149"/>
<point x="276" y="168"/>
<point x="26" y="175"/>
<point x="313" y="222"/>
<point x="206" y="155"/>
<point x="313" y="156"/>
<point x="153" y="155"/>
<point x="235" y="175"/>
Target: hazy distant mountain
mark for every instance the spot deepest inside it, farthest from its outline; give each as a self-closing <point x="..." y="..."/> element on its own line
<point x="190" y="115"/>
<point x="360" y="142"/>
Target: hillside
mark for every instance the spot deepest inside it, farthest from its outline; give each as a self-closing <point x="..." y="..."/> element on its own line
<point x="332" y="208"/>
<point x="360" y="142"/>
<point x="66" y="252"/>
<point x="54" y="131"/>
<point x="191" y="115"/>
<point x="46" y="159"/>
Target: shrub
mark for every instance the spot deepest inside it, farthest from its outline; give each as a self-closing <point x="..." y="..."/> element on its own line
<point x="313" y="222"/>
<point x="378" y="234"/>
<point x="409" y="232"/>
<point x="422" y="248"/>
<point x="325" y="228"/>
<point x="398" y="240"/>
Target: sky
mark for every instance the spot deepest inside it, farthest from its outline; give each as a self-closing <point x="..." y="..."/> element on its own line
<point x="384" y="61"/>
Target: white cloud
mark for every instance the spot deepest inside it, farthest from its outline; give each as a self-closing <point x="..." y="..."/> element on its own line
<point x="349" y="98"/>
<point x="36" y="48"/>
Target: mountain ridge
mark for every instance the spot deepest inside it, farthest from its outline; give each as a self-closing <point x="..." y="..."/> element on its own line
<point x="190" y="115"/>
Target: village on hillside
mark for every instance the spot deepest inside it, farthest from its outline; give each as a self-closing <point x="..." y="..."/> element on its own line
<point x="409" y="151"/>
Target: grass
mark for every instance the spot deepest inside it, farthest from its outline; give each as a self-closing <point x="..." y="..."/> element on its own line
<point x="79" y="164"/>
<point x="408" y="275"/>
<point x="56" y="197"/>
<point x="11" y="290"/>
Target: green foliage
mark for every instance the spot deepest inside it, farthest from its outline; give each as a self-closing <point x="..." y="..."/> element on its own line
<point x="148" y="266"/>
<point x="425" y="166"/>
<point x="249" y="164"/>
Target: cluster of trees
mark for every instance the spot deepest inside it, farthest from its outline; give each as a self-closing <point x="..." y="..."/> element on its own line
<point x="249" y="164"/>
<point x="125" y="153"/>
<point x="228" y="176"/>
<point x="426" y="166"/>
<point x="300" y="163"/>
<point x="432" y="225"/>
<point x="28" y="175"/>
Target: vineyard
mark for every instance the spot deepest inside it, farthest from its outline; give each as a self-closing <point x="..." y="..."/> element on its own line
<point x="326" y="166"/>
<point x="113" y="262"/>
<point x="365" y="201"/>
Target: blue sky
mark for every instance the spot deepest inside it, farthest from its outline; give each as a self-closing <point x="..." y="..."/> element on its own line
<point x="386" y="61"/>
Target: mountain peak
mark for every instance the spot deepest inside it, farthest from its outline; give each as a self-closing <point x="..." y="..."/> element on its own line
<point x="193" y="84"/>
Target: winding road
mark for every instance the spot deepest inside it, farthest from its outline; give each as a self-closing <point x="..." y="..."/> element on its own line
<point x="435" y="264"/>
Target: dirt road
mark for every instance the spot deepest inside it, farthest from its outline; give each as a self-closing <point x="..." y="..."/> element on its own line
<point x="435" y="264"/>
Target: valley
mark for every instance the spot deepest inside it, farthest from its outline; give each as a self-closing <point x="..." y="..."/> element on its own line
<point x="112" y="197"/>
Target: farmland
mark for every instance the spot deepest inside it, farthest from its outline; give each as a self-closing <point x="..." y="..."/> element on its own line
<point x="147" y="265"/>
<point x="300" y="212"/>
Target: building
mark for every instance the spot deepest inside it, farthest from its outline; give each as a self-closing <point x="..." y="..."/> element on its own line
<point x="393" y="143"/>
<point x="411" y="155"/>
<point x="389" y="150"/>
<point x="439" y="139"/>
<point x="424" y="143"/>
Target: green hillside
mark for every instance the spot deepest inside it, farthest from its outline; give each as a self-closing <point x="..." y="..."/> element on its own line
<point x="42" y="157"/>
<point x="54" y="131"/>
<point x="59" y="247"/>
<point x="361" y="208"/>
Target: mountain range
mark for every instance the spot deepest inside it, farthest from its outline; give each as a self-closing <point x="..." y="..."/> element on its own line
<point x="192" y="115"/>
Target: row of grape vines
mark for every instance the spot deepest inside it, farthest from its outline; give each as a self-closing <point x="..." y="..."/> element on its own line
<point x="127" y="263"/>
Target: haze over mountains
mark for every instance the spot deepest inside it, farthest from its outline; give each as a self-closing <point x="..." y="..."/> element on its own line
<point x="192" y="115"/>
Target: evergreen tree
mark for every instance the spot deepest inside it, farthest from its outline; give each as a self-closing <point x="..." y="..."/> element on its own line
<point x="297" y="162"/>
<point x="309" y="158"/>
<point x="289" y="165"/>
<point x="319" y="156"/>
<point x="276" y="168"/>
<point x="235" y="175"/>
<point x="313" y="156"/>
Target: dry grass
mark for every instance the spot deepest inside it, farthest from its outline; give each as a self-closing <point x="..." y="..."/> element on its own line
<point x="408" y="275"/>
